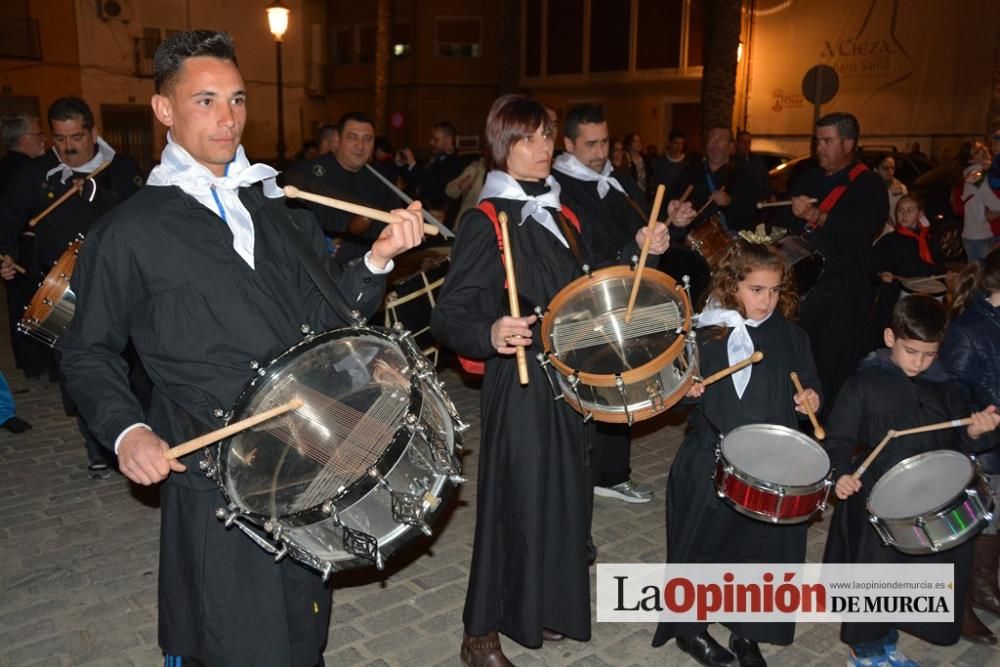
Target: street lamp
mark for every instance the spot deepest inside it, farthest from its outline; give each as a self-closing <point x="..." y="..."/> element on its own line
<point x="277" y="21"/>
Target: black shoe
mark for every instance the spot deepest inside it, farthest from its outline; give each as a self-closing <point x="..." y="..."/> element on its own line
<point x="99" y="470"/>
<point x="705" y="650"/>
<point x="747" y="652"/>
<point x="16" y="425"/>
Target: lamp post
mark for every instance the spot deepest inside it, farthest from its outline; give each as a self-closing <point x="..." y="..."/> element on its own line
<point x="277" y="21"/>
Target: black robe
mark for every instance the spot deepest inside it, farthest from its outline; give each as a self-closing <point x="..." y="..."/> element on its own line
<point x="609" y="226"/>
<point x="31" y="193"/>
<point x="529" y="564"/>
<point x="325" y="176"/>
<point x="427" y="182"/>
<point x="702" y="528"/>
<point x="878" y="398"/>
<point x="29" y="355"/>
<point x="836" y="313"/>
<point x="161" y="268"/>
<point x="900" y="256"/>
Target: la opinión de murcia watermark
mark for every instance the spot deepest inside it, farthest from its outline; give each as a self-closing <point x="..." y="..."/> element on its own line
<point x="769" y="592"/>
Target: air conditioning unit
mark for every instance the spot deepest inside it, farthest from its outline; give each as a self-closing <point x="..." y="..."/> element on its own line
<point x="115" y="10"/>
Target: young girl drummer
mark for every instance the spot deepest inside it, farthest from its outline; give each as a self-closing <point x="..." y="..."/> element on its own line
<point x="750" y="304"/>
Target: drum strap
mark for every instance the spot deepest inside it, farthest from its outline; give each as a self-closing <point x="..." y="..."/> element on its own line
<point x="566" y="214"/>
<point x="475" y="366"/>
<point x="835" y="194"/>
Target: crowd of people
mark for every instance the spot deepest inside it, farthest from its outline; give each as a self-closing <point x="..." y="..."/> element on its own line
<point x="187" y="279"/>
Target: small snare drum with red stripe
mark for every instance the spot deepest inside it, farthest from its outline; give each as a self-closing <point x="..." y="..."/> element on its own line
<point x="772" y="473"/>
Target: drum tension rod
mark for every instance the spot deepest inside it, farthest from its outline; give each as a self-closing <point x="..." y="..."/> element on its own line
<point x="544" y="362"/>
<point x="620" y="383"/>
<point x="931" y="542"/>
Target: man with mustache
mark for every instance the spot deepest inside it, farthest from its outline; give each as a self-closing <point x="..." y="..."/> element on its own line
<point x="77" y="152"/>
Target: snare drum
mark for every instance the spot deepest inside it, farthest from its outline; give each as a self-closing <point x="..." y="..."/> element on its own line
<point x="709" y="239"/>
<point x="356" y="473"/>
<point x="802" y="258"/>
<point x="930" y="286"/>
<point x="612" y="371"/>
<point x="51" y="309"/>
<point x="772" y="473"/>
<point x="930" y="502"/>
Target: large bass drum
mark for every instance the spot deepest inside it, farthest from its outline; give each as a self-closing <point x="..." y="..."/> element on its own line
<point x="617" y="372"/>
<point x="357" y="472"/>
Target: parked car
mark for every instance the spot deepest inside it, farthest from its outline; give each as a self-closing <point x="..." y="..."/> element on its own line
<point x="919" y="175"/>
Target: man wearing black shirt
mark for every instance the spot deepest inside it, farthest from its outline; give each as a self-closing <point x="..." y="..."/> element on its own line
<point x="840" y="206"/>
<point x="613" y="225"/>
<point x="343" y="174"/>
<point x="24" y="139"/>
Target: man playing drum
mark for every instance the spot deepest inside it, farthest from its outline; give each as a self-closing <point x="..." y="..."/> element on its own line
<point x="615" y="226"/>
<point x="204" y="269"/>
<point x="899" y="388"/>
<point x="80" y="161"/>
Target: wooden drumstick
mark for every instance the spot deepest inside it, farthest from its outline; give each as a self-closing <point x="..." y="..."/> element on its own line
<point x="818" y="430"/>
<point x="515" y="305"/>
<point x="293" y="192"/>
<point x="776" y="204"/>
<point x="66" y="195"/>
<point x="708" y="203"/>
<point x="194" y="445"/>
<point x="17" y="267"/>
<point x="725" y="372"/>
<point x="657" y="202"/>
<point x="954" y="423"/>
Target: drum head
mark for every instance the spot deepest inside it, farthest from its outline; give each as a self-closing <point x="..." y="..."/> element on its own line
<point x="776" y="454"/>
<point x="588" y="331"/>
<point x="356" y="390"/>
<point x="923" y="483"/>
<point x="932" y="286"/>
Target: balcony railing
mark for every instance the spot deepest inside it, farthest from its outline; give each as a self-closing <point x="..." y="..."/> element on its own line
<point x="20" y="38"/>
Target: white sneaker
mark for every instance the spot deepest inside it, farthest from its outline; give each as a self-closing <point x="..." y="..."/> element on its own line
<point x="627" y="491"/>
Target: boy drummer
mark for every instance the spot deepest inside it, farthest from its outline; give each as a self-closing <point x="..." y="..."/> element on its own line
<point x="898" y="388"/>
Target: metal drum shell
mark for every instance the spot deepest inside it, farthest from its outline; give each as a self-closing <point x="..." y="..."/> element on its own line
<point x="729" y="479"/>
<point x="709" y="238"/>
<point x="930" y="531"/>
<point x="599" y="394"/>
<point x="314" y="536"/>
<point x="52" y="307"/>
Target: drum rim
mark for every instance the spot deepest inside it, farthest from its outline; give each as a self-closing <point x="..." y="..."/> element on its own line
<point x="799" y="489"/>
<point x="974" y="468"/>
<point x="53" y="286"/>
<point x="649" y="368"/>
<point x="941" y="287"/>
<point x="360" y="487"/>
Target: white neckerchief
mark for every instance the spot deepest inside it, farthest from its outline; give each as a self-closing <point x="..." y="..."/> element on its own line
<point x="218" y="194"/>
<point x="740" y="345"/>
<point x="569" y="164"/>
<point x="105" y="153"/>
<point x="501" y="184"/>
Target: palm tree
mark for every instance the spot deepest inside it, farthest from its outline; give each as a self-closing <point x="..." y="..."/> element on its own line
<point x="383" y="24"/>
<point x="993" y="114"/>
<point x="718" y="79"/>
